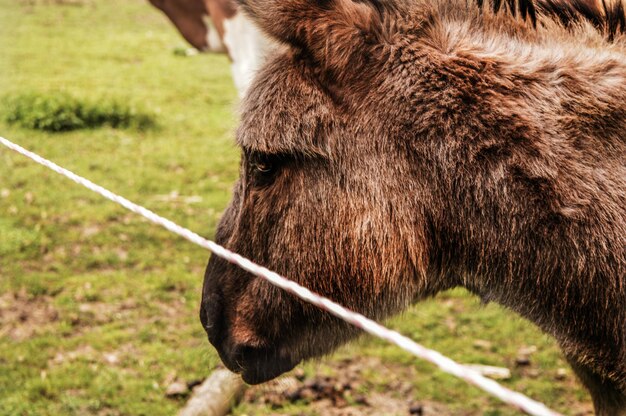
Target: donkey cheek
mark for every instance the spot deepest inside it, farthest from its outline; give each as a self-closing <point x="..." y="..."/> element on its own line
<point x="243" y="334"/>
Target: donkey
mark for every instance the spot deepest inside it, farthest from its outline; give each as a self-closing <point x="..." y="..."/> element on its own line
<point x="218" y="26"/>
<point x="397" y="149"/>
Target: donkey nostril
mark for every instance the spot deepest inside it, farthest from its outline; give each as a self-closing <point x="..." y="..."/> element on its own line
<point x="211" y="316"/>
<point x="204" y="320"/>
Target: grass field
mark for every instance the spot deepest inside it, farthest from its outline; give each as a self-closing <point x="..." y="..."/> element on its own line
<point x="98" y="308"/>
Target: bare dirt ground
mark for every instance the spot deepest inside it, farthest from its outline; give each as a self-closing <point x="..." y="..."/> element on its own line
<point x="346" y="393"/>
<point x="351" y="390"/>
<point x="22" y="316"/>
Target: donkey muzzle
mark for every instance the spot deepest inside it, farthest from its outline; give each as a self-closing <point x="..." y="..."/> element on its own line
<point x="255" y="364"/>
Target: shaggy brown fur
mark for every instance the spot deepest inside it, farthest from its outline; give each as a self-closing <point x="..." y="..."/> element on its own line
<point x="403" y="148"/>
<point x="610" y="18"/>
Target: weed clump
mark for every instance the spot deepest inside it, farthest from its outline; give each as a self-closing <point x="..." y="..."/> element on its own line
<point x="62" y="112"/>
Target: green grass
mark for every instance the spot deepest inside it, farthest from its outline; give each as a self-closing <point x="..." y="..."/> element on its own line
<point x="82" y="280"/>
<point x="62" y="112"/>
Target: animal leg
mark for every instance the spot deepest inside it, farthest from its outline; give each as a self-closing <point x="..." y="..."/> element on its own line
<point x="608" y="398"/>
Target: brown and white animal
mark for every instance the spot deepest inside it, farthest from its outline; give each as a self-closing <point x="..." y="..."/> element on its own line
<point x="219" y="26"/>
<point x="401" y="148"/>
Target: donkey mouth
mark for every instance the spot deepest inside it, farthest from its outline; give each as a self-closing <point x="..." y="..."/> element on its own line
<point x="256" y="365"/>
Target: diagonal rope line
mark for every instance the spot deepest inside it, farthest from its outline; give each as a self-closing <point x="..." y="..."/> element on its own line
<point x="447" y="365"/>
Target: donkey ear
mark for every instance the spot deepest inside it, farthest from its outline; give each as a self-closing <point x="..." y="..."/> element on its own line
<point x="331" y="31"/>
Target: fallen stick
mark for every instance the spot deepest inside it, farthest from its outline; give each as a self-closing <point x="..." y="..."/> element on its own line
<point x="215" y="396"/>
<point x="496" y="373"/>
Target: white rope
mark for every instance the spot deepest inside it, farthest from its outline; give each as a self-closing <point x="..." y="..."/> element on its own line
<point x="515" y="399"/>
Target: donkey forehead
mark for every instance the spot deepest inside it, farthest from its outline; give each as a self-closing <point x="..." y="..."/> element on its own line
<point x="288" y="111"/>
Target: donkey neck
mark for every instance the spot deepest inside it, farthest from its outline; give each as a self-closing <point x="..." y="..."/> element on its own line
<point x="521" y="141"/>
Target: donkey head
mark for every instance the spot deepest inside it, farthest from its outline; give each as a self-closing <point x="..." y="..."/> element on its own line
<point x="324" y="197"/>
<point x="191" y="18"/>
<point x="396" y="149"/>
<point x="188" y="17"/>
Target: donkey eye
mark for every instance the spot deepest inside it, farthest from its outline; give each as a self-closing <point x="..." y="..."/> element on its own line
<point x="263" y="167"/>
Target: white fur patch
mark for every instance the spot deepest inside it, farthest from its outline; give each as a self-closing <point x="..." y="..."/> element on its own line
<point x="247" y="47"/>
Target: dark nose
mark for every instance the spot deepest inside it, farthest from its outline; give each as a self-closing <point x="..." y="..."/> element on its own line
<point x="212" y="318"/>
